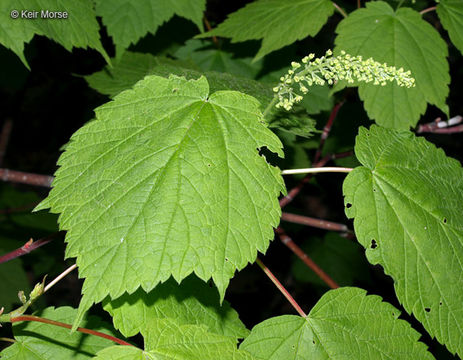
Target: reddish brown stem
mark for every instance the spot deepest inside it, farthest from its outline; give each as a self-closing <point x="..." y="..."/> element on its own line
<point x="318" y="223"/>
<point x="25" y="178"/>
<point x="326" y="130"/>
<point x="285" y="239"/>
<point x="209" y="28"/>
<point x="429" y="9"/>
<point x="19" y="208"/>
<point x="27" y="248"/>
<point x="280" y="287"/>
<point x="5" y="137"/>
<point x="342" y="154"/>
<point x="67" y="326"/>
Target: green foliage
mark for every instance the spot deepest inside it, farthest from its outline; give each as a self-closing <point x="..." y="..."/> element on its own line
<point x="79" y="30"/>
<point x="344" y="324"/>
<point x="191" y="302"/>
<point x="277" y="23"/>
<point x="195" y="185"/>
<point x="38" y="341"/>
<point x="127" y="21"/>
<point x="403" y="39"/>
<point x="175" y="183"/>
<point x="407" y="201"/>
<point x="451" y="16"/>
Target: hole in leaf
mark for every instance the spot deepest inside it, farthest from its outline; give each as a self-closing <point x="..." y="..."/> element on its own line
<point x="427" y="309"/>
<point x="313" y="341"/>
<point x="348" y="205"/>
<point x="440" y="302"/>
<point x="174" y="90"/>
<point x="226" y="259"/>
<point x="374" y="189"/>
<point x="445" y="220"/>
<point x="374" y="245"/>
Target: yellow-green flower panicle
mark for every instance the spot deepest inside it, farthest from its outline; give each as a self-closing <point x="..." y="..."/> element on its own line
<point x="329" y="69"/>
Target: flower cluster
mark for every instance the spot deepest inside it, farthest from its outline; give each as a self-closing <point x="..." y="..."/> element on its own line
<point x="329" y="69"/>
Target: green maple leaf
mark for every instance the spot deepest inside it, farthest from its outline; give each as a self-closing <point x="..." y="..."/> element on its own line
<point x="191" y="302"/>
<point x="127" y="21"/>
<point x="403" y="39"/>
<point x="278" y="23"/>
<point x="166" y="339"/>
<point x="39" y="341"/>
<point x="79" y="30"/>
<point x="451" y="16"/>
<point x="167" y="181"/>
<point x="407" y="201"/>
<point x="344" y="324"/>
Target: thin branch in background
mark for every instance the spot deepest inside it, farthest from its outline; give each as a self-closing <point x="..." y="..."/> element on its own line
<point x="67" y="326"/>
<point x="341" y="155"/>
<point x="19" y="208"/>
<point x="359" y="4"/>
<point x="326" y="130"/>
<point x="295" y="190"/>
<point x="280" y="287"/>
<point x="209" y="28"/>
<point x="318" y="223"/>
<point x="25" y="178"/>
<point x="340" y="10"/>
<point x="59" y="277"/>
<point x="27" y="248"/>
<point x="429" y="9"/>
<point x="316" y="170"/>
<point x="442" y="127"/>
<point x="5" y="138"/>
<point x="285" y="239"/>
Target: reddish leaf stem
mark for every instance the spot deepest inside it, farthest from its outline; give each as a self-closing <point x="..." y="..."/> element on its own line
<point x="27" y="248"/>
<point x="280" y="287"/>
<point x="429" y="9"/>
<point x="67" y="326"/>
<point x="318" y="223"/>
<point x="209" y="28"/>
<point x="326" y="130"/>
<point x="5" y="137"/>
<point x="340" y="10"/>
<point x="25" y="178"/>
<point x="285" y="239"/>
<point x="442" y="127"/>
<point x="342" y="154"/>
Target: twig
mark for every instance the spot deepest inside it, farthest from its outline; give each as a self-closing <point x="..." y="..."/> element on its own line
<point x="359" y="4"/>
<point x="280" y="287"/>
<point x="326" y="130"/>
<point x="7" y="339"/>
<point x="59" y="277"/>
<point x="209" y="28"/>
<point x="340" y="10"/>
<point x="316" y="170"/>
<point x="5" y="137"/>
<point x="67" y="326"/>
<point x="27" y="248"/>
<point x="295" y="190"/>
<point x="285" y="239"/>
<point x="19" y="208"/>
<point x="429" y="9"/>
<point x="442" y="127"/>
<point x="342" y="154"/>
<point x="318" y="223"/>
<point x="25" y="178"/>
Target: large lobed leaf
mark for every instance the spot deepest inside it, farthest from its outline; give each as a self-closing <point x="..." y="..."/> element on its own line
<point x="80" y="29"/>
<point x="39" y="341"/>
<point x="167" y="181"/>
<point x="403" y="39"/>
<point x="192" y="302"/>
<point x="407" y="201"/>
<point x="344" y="324"/>
<point x="451" y="16"/>
<point x="166" y="339"/>
<point x="127" y="21"/>
<point x="278" y="23"/>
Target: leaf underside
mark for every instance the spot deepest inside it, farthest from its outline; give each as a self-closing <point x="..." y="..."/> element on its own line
<point x="407" y="201"/>
<point x="344" y="324"/>
<point x="165" y="182"/>
<point x="401" y="39"/>
<point x="451" y="16"/>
